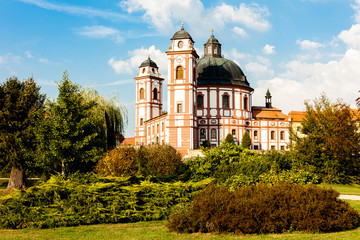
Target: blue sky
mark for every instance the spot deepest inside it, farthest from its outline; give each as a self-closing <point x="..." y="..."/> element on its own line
<point x="297" y="48"/>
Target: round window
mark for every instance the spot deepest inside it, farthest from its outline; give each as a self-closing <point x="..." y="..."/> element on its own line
<point x="180" y="44"/>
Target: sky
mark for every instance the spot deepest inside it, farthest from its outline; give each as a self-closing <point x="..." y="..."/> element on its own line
<point x="298" y="49"/>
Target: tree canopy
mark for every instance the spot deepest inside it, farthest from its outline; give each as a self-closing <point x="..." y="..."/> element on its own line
<point x="332" y="140"/>
<point x="21" y="110"/>
<point x="246" y="140"/>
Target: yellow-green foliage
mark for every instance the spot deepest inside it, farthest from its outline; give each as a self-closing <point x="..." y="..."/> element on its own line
<point x="91" y="199"/>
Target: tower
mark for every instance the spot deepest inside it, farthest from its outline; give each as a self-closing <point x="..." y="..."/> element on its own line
<point x="182" y="129"/>
<point x="268" y="99"/>
<point x="148" y="97"/>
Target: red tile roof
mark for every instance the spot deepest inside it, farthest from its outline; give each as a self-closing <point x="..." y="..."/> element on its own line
<point x="267" y="113"/>
<point x="128" y="141"/>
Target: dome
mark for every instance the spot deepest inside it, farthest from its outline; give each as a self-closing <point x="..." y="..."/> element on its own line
<point x="218" y="70"/>
<point x="182" y="34"/>
<point x="212" y="40"/>
<point x="148" y="62"/>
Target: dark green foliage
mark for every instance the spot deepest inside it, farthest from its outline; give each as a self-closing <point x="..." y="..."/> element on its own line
<point x="229" y="139"/>
<point x="265" y="209"/>
<point x="332" y="141"/>
<point x="206" y="144"/>
<point x="69" y="138"/>
<point x="81" y="200"/>
<point x="153" y="160"/>
<point x="21" y="110"/>
<point x="246" y="140"/>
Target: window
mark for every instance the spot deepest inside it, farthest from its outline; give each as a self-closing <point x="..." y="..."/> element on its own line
<point x="282" y="135"/>
<point x="272" y="135"/>
<point x="143" y="71"/>
<point x="180" y="44"/>
<point x="141" y="121"/>
<point x="255" y="135"/>
<point x="157" y="128"/>
<point x="233" y="132"/>
<point x="142" y="93"/>
<point x="272" y="147"/>
<point x="282" y="148"/>
<point x="256" y="147"/>
<point x="202" y="133"/>
<point x="209" y="49"/>
<point x="163" y="127"/>
<point x="215" y="50"/>
<point x="213" y="133"/>
<point x="246" y="103"/>
<point x="179" y="72"/>
<point x="153" y="70"/>
<point x="157" y="140"/>
<point x="225" y="101"/>
<point x="155" y="94"/>
<point x="200" y="101"/>
<point x="179" y="108"/>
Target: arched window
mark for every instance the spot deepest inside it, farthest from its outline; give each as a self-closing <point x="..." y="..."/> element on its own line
<point x="209" y="49"/>
<point x="179" y="72"/>
<point x="255" y="134"/>
<point x="272" y="135"/>
<point x="225" y="101"/>
<point x="200" y="101"/>
<point x="246" y="103"/>
<point x="233" y="132"/>
<point x="142" y="93"/>
<point x="155" y="94"/>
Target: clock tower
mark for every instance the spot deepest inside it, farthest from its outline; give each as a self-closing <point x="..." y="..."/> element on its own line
<point x="182" y="128"/>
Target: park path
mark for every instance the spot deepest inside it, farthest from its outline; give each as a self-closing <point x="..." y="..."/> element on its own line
<point x="350" y="197"/>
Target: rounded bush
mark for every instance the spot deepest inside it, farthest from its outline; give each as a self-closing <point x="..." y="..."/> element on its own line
<point x="265" y="209"/>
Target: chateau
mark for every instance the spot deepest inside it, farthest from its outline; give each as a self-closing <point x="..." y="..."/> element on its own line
<point x="208" y="98"/>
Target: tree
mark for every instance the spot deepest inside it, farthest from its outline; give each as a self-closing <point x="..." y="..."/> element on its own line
<point x="110" y="117"/>
<point x="68" y="135"/>
<point x="246" y="140"/>
<point x="229" y="139"/>
<point x="21" y="110"/>
<point x="332" y="140"/>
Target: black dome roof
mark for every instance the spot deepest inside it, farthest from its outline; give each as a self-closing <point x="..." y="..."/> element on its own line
<point x="148" y="62"/>
<point x="218" y="70"/>
<point x="181" y="35"/>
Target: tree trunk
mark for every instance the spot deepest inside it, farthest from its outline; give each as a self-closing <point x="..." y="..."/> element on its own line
<point x="17" y="179"/>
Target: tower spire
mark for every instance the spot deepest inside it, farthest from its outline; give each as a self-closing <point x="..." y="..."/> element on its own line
<point x="268" y="99"/>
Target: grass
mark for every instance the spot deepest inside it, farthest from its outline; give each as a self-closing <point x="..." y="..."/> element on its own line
<point x="152" y="230"/>
<point x="344" y="189"/>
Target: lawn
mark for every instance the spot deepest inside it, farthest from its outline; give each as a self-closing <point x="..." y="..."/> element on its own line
<point x="157" y="229"/>
<point x="152" y="230"/>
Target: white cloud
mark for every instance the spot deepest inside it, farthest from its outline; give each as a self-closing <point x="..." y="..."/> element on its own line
<point x="28" y="54"/>
<point x="250" y="15"/>
<point x="77" y="10"/>
<point x="261" y="69"/>
<point x="308" y="45"/>
<point x="162" y="14"/>
<point x="351" y="37"/>
<point x="269" y="49"/>
<point x="234" y="54"/>
<point x="2" y="60"/>
<point x="303" y="80"/>
<point x="239" y="31"/>
<point x="356" y="7"/>
<point x="101" y="32"/>
<point x="137" y="56"/>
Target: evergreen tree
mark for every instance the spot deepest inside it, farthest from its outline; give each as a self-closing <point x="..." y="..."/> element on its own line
<point x="69" y="138"/>
<point x="21" y="110"/>
<point x="229" y="139"/>
<point x="332" y="140"/>
<point x="246" y="140"/>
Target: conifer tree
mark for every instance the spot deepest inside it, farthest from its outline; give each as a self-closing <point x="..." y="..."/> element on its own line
<point x="229" y="139"/>
<point x="69" y="138"/>
<point x="246" y="140"/>
<point x="21" y="110"/>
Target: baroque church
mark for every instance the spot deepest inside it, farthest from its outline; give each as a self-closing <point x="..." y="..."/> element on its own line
<point x="208" y="98"/>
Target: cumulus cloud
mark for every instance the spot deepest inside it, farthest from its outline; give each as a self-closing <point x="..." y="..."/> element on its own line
<point x="137" y="56"/>
<point x="162" y="14"/>
<point x="269" y="49"/>
<point x="100" y="32"/>
<point x="239" y="31"/>
<point x="308" y="45"/>
<point x="356" y="7"/>
<point x="260" y="69"/>
<point x="351" y="37"/>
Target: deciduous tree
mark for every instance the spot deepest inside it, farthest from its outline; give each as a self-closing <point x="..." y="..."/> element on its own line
<point x="21" y="110"/>
<point x="332" y="140"/>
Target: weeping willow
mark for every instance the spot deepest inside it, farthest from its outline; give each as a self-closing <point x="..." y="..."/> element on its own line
<point x="109" y="115"/>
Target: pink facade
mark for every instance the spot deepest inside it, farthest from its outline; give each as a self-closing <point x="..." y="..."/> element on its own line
<point x="208" y="98"/>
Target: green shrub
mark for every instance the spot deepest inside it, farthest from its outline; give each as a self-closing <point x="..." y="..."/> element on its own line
<point x="92" y="199"/>
<point x="119" y="162"/>
<point x="265" y="209"/>
<point x="229" y="139"/>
